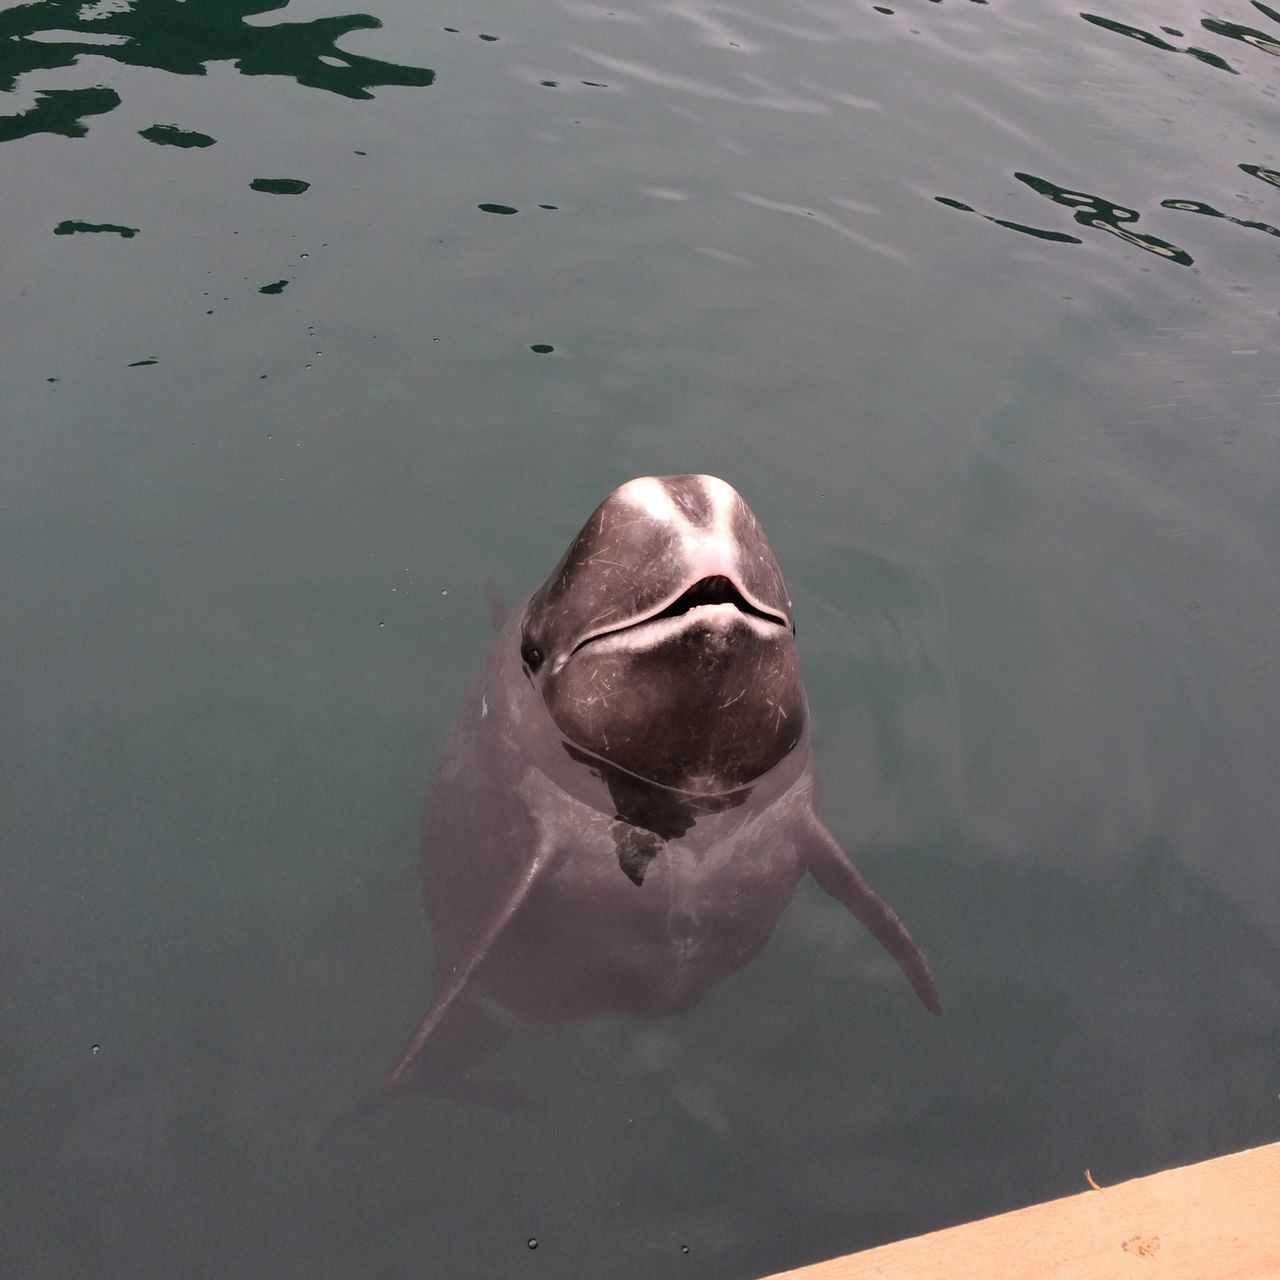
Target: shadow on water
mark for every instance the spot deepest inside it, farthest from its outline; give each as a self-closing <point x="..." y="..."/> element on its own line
<point x="169" y="35"/>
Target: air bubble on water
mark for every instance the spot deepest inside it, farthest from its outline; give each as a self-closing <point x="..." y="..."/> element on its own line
<point x="533" y="1242"/>
<point x="444" y="591"/>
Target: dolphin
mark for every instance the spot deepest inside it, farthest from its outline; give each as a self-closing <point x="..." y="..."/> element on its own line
<point x="627" y="804"/>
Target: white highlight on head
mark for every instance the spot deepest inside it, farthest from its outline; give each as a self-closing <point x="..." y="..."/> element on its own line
<point x="710" y="549"/>
<point x="649" y="495"/>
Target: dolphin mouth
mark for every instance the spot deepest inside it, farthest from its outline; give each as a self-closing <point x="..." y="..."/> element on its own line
<point x="715" y="590"/>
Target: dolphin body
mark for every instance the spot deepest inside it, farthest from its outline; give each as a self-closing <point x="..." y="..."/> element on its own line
<point x="627" y="804"/>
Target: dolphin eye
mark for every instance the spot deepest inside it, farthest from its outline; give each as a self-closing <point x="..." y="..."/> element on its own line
<point x="531" y="655"/>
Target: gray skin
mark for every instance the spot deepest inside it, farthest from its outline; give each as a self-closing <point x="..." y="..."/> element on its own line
<point x="626" y="807"/>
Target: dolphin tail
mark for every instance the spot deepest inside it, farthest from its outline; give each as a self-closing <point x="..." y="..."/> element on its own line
<point x="836" y="874"/>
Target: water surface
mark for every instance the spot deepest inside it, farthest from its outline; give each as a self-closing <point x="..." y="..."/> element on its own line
<point x="316" y="318"/>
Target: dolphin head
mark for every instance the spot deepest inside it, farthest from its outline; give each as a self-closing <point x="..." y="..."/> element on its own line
<point x="663" y="641"/>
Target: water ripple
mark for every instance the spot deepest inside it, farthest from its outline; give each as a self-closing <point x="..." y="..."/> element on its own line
<point x="823" y="220"/>
<point x="766" y="94"/>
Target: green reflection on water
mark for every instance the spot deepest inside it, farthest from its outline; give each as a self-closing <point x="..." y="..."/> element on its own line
<point x="169" y="135"/>
<point x="280" y="186"/>
<point x="72" y="228"/>
<point x="59" y="111"/>
<point x="181" y="38"/>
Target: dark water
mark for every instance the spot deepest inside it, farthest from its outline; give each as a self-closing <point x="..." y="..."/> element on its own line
<point x="313" y="320"/>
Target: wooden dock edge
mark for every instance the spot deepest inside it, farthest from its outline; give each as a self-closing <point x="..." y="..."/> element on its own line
<point x="1217" y="1220"/>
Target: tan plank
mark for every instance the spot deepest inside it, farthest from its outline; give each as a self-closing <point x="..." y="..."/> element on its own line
<point x="1218" y="1220"/>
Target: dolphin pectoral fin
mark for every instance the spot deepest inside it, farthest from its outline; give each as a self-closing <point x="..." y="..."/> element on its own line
<point x="832" y="869"/>
<point x="452" y="985"/>
<point x="497" y="606"/>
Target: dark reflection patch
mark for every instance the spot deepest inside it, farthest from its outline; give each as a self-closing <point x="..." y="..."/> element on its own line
<point x="280" y="186"/>
<point x="169" y="135"/>
<point x="636" y="850"/>
<point x="1102" y="215"/>
<point x="1271" y="176"/>
<point x="1134" y="33"/>
<point x="183" y="39"/>
<point x="71" y="228"/>
<point x="1246" y="35"/>
<point x="1150" y="38"/>
<point x="1198" y="206"/>
<point x="1038" y="232"/>
<point x="56" y="111"/>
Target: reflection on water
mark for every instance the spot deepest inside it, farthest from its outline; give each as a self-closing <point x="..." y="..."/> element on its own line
<point x="1198" y="206"/>
<point x="169" y="135"/>
<point x="1262" y="40"/>
<point x="1269" y="176"/>
<point x="280" y="186"/>
<point x="1103" y="215"/>
<point x="1038" y="232"/>
<point x="181" y="38"/>
<point x="73" y="228"/>
<point x="1091" y="211"/>
<point x="1149" y="38"/>
<point x="58" y="111"/>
